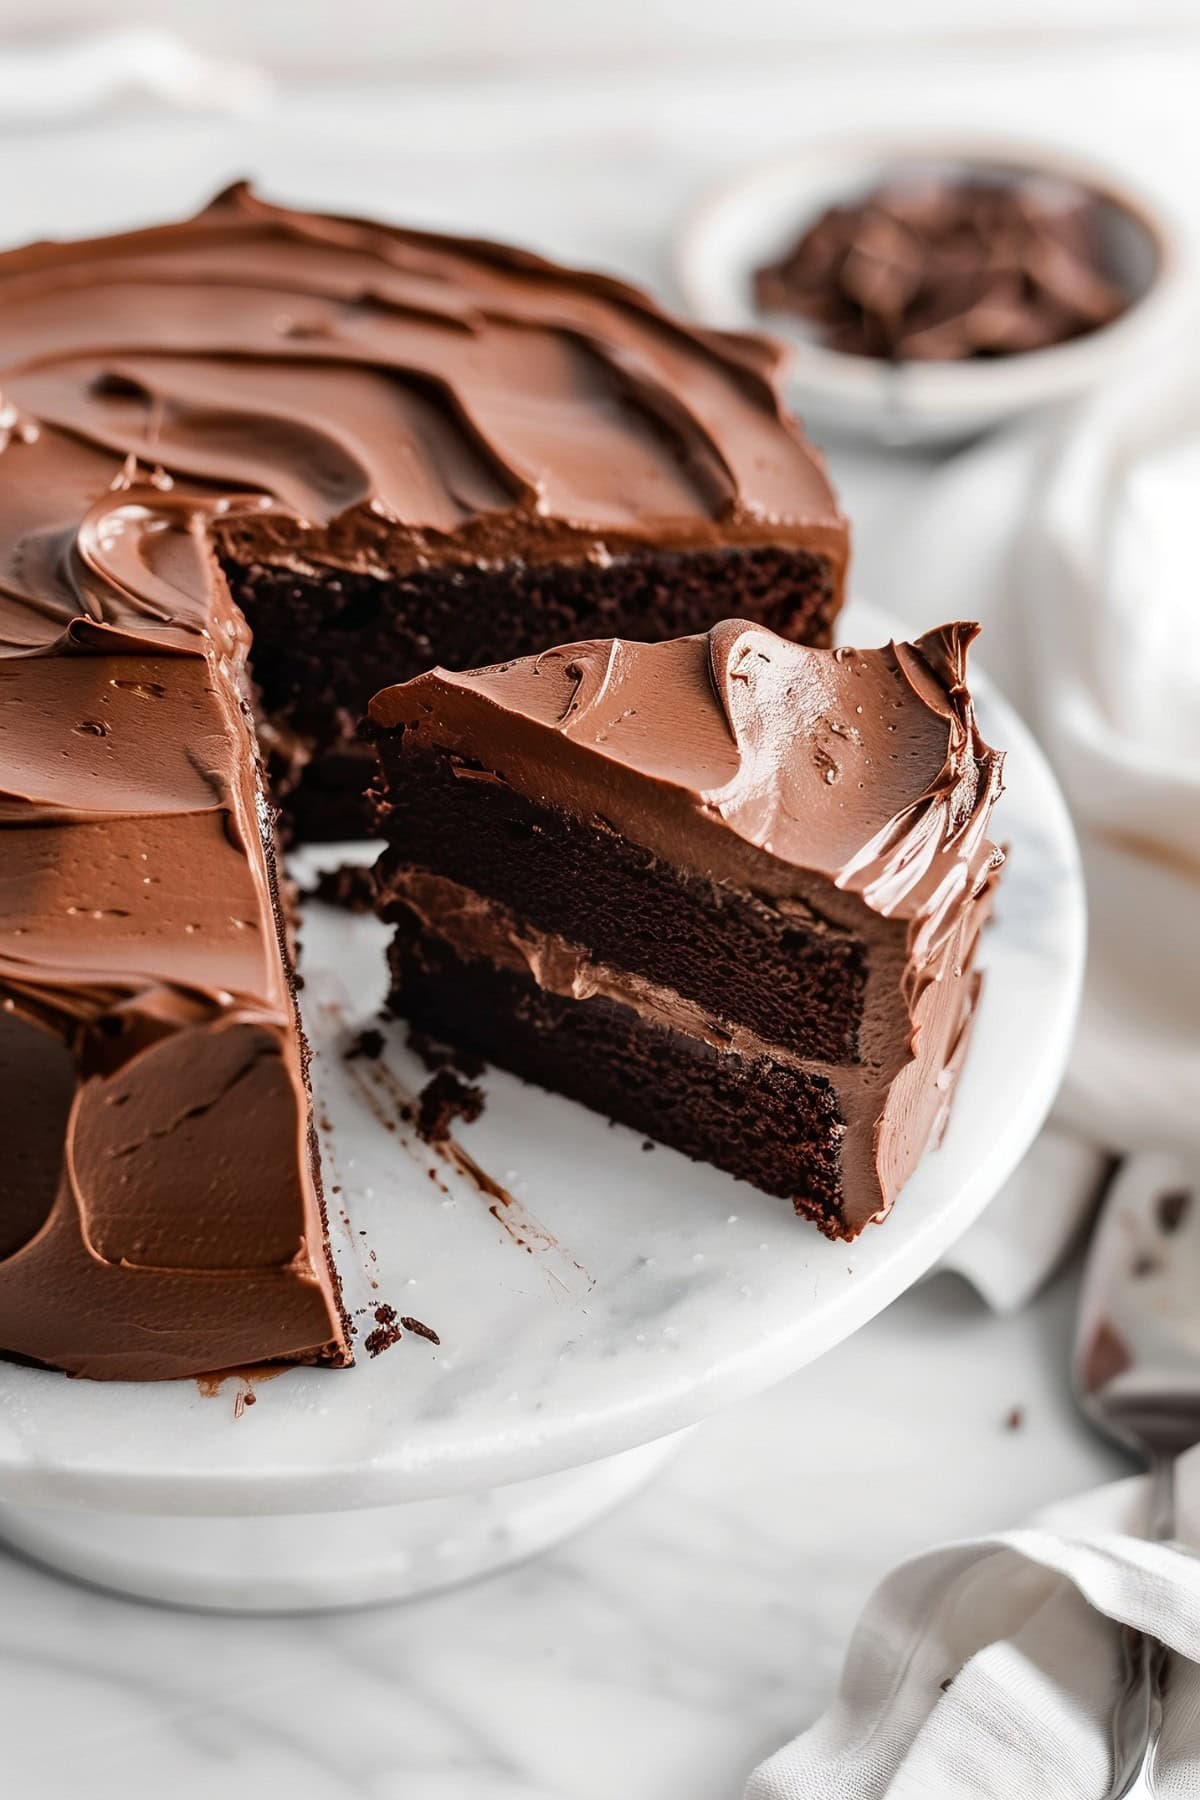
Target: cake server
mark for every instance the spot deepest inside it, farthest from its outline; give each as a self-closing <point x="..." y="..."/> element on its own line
<point x="1136" y="1372"/>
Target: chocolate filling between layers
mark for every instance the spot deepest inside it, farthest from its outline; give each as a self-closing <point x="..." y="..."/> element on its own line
<point x="775" y="1126"/>
<point x="793" y="977"/>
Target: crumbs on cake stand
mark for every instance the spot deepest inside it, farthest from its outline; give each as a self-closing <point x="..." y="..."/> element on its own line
<point x="419" y="1329"/>
<point x="351" y="886"/>
<point x="443" y="1099"/>
<point x="386" y="1333"/>
<point x="389" y="1330"/>
<point x="369" y="1043"/>
<point x="438" y="1056"/>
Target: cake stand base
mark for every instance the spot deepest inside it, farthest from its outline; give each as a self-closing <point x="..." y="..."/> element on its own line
<point x="300" y="1562"/>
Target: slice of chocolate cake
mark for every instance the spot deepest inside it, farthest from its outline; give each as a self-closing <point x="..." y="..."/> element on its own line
<point x="725" y="889"/>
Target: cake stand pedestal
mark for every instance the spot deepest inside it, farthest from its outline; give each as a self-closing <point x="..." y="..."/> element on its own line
<point x="299" y="1562"/>
<point x="553" y="1301"/>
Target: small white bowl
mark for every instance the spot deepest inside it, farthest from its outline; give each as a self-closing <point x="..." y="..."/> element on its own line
<point x="753" y="218"/>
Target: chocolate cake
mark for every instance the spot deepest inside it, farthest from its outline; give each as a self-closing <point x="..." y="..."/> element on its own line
<point x="725" y="889"/>
<point x="255" y="464"/>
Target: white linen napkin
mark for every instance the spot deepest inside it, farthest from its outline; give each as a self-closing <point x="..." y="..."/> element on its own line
<point x="990" y="1669"/>
<point x="1072" y="541"/>
<point x="1074" y="544"/>
<point x="993" y="1668"/>
<point x="1034" y="1219"/>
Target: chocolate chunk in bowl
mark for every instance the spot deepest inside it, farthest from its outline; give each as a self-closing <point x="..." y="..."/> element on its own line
<point x="943" y="267"/>
<point x="933" y="288"/>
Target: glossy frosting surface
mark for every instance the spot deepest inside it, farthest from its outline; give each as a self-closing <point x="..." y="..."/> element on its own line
<point x="321" y="392"/>
<point x="865" y="767"/>
<point x="420" y="393"/>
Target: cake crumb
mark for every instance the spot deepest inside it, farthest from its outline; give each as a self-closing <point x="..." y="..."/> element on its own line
<point x="443" y="1100"/>
<point x="1172" y="1210"/>
<point x="1015" y="1419"/>
<point x="437" y="1056"/>
<point x="386" y="1333"/>
<point x="350" y="886"/>
<point x="420" y="1330"/>
<point x="648" y="1144"/>
<point x="368" y="1043"/>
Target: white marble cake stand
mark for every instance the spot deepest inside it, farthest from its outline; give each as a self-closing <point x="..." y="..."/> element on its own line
<point x="621" y="1294"/>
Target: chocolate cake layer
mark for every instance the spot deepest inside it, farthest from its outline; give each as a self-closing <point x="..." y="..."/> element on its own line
<point x="776" y="1126"/>
<point x="829" y="808"/>
<point x="321" y="641"/>
<point x="796" y="978"/>
<point x="289" y="402"/>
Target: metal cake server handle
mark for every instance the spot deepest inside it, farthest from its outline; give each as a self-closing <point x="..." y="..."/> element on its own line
<point x="1136" y="1372"/>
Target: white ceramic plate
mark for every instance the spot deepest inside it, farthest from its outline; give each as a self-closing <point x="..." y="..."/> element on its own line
<point x="623" y="1294"/>
<point x="753" y="217"/>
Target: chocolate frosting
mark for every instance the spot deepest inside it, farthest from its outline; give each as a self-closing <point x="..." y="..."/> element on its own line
<point x="382" y="395"/>
<point x="323" y="393"/>
<point x="853" y="784"/>
<point x="865" y="767"/>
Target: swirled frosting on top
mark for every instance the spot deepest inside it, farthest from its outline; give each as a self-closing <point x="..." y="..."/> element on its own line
<point x="355" y="394"/>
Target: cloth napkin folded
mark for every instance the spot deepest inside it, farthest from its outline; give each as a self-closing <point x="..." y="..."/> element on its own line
<point x="1034" y="1219"/>
<point x="993" y="1668"/>
<point x="1074" y="545"/>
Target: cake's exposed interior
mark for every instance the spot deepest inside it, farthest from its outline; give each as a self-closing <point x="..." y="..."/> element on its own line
<point x="255" y="465"/>
<point x="725" y="889"/>
<point x="325" y="641"/>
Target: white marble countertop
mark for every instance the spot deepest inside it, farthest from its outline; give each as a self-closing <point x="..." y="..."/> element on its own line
<point x="657" y="1656"/>
<point x="662" y="1653"/>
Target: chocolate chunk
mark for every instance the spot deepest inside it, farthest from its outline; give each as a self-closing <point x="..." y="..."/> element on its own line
<point x="942" y="270"/>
